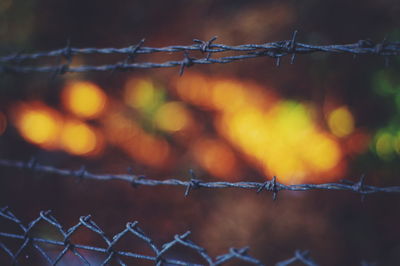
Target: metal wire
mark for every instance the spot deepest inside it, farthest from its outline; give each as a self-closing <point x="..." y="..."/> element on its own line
<point x="13" y="63"/>
<point x="160" y="253"/>
<point x="195" y="183"/>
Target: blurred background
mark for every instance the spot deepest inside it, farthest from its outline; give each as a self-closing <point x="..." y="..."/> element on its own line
<point x="324" y="118"/>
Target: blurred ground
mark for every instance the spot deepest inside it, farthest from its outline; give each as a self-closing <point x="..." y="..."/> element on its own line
<point x="324" y="118"/>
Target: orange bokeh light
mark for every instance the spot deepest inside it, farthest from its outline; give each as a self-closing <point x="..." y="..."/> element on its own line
<point x="194" y="88"/>
<point x="217" y="158"/>
<point x="126" y="134"/>
<point x="84" y="99"/>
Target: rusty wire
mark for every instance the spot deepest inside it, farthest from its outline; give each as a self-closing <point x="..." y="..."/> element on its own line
<point x="14" y="63"/>
<point x="193" y="182"/>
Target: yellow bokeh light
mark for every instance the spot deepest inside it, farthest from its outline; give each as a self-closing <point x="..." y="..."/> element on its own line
<point x="280" y="137"/>
<point x="84" y="99"/>
<point x="38" y="124"/>
<point x="78" y="138"/>
<point x="172" y="116"/>
<point x="321" y="153"/>
<point x="385" y="145"/>
<point x="341" y="122"/>
<point x="3" y="123"/>
<point x="141" y="94"/>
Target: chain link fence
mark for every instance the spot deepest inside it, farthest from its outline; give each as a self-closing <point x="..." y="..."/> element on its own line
<point x="86" y="254"/>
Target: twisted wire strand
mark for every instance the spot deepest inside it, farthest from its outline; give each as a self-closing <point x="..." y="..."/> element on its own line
<point x="277" y="50"/>
<point x="160" y="253"/>
<point x="193" y="183"/>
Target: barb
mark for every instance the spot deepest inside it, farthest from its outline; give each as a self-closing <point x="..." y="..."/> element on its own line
<point x="12" y="63"/>
<point x="194" y="183"/>
<point x="160" y="253"/>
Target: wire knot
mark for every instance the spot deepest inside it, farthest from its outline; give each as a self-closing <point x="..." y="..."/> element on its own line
<point x="186" y="62"/>
<point x="205" y="46"/>
<point x="133" y="50"/>
<point x="67" y="54"/>
<point x="134" y="177"/>
<point x="192" y="184"/>
<point x="270" y="186"/>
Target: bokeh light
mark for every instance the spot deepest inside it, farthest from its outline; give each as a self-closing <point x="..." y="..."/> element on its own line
<point x="284" y="141"/>
<point x="280" y="137"/>
<point x="84" y="99"/>
<point x="78" y="138"/>
<point x="143" y="95"/>
<point x="3" y="123"/>
<point x="194" y="88"/>
<point x="124" y="133"/>
<point x="385" y="145"/>
<point x="217" y="158"/>
<point x="49" y="129"/>
<point x="38" y="124"/>
<point x="341" y="122"/>
<point x="172" y="117"/>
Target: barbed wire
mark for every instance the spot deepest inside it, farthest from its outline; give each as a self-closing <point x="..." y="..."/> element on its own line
<point x="194" y="183"/>
<point x="12" y="63"/>
<point x="63" y="239"/>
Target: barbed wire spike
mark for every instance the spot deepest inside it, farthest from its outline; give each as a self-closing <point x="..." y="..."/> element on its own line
<point x="31" y="164"/>
<point x="81" y="173"/>
<point x="293" y="47"/>
<point x="133" y="50"/>
<point x="273" y="187"/>
<point x="278" y="61"/>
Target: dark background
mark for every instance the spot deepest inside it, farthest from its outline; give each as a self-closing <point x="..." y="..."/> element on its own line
<point x="337" y="227"/>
